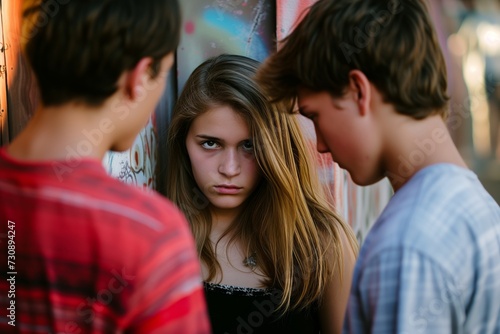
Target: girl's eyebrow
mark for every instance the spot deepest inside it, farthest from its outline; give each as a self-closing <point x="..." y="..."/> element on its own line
<point x="207" y="137"/>
<point x="212" y="138"/>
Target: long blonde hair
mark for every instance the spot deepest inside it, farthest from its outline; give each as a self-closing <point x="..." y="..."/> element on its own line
<point x="287" y="218"/>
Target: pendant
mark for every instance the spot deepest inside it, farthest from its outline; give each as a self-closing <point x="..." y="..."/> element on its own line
<point x="250" y="261"/>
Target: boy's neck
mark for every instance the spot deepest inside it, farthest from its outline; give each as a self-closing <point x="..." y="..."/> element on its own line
<point x="416" y="144"/>
<point x="60" y="133"/>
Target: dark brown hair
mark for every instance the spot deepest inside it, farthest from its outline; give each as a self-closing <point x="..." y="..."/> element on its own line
<point x="79" y="48"/>
<point x="392" y="42"/>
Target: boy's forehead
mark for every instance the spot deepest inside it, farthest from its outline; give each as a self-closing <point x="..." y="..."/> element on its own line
<point x="306" y="96"/>
<point x="303" y="93"/>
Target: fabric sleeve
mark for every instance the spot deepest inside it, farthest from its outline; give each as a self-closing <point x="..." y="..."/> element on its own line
<point x="403" y="291"/>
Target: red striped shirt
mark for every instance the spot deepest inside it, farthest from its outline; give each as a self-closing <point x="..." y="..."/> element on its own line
<point x="93" y="255"/>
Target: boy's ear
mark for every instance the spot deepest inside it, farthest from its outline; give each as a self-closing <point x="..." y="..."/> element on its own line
<point x="136" y="77"/>
<point x="360" y="86"/>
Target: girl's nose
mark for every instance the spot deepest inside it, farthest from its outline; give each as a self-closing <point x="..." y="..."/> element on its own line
<point x="230" y="165"/>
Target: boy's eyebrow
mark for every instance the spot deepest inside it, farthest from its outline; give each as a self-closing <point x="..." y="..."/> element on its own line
<point x="302" y="111"/>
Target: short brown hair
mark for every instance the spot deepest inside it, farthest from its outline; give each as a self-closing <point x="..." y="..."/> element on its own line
<point x="79" y="48"/>
<point x="392" y="42"/>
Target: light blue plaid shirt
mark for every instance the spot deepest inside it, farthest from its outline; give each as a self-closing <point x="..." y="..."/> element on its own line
<point x="431" y="263"/>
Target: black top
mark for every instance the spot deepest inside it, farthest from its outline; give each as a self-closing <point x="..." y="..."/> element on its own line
<point x="238" y="310"/>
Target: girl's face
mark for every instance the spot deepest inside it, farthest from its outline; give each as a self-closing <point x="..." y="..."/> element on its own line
<point x="221" y="153"/>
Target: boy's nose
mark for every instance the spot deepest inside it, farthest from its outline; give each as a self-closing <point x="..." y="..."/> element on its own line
<point x="320" y="143"/>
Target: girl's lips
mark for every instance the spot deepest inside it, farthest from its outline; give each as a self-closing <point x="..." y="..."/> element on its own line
<point x="227" y="189"/>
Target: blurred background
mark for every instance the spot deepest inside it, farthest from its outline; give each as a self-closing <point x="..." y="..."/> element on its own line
<point x="468" y="30"/>
<point x="470" y="36"/>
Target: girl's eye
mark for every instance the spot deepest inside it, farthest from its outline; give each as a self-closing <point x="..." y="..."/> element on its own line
<point x="209" y="144"/>
<point x="248" y="145"/>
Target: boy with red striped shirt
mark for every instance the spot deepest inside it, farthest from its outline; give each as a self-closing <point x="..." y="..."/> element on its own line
<point x="86" y="253"/>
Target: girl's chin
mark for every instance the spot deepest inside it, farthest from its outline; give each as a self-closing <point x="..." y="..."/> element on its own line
<point x="226" y="205"/>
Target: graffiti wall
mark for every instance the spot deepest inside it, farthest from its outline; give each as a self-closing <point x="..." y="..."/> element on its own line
<point x="137" y="165"/>
<point x="212" y="27"/>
